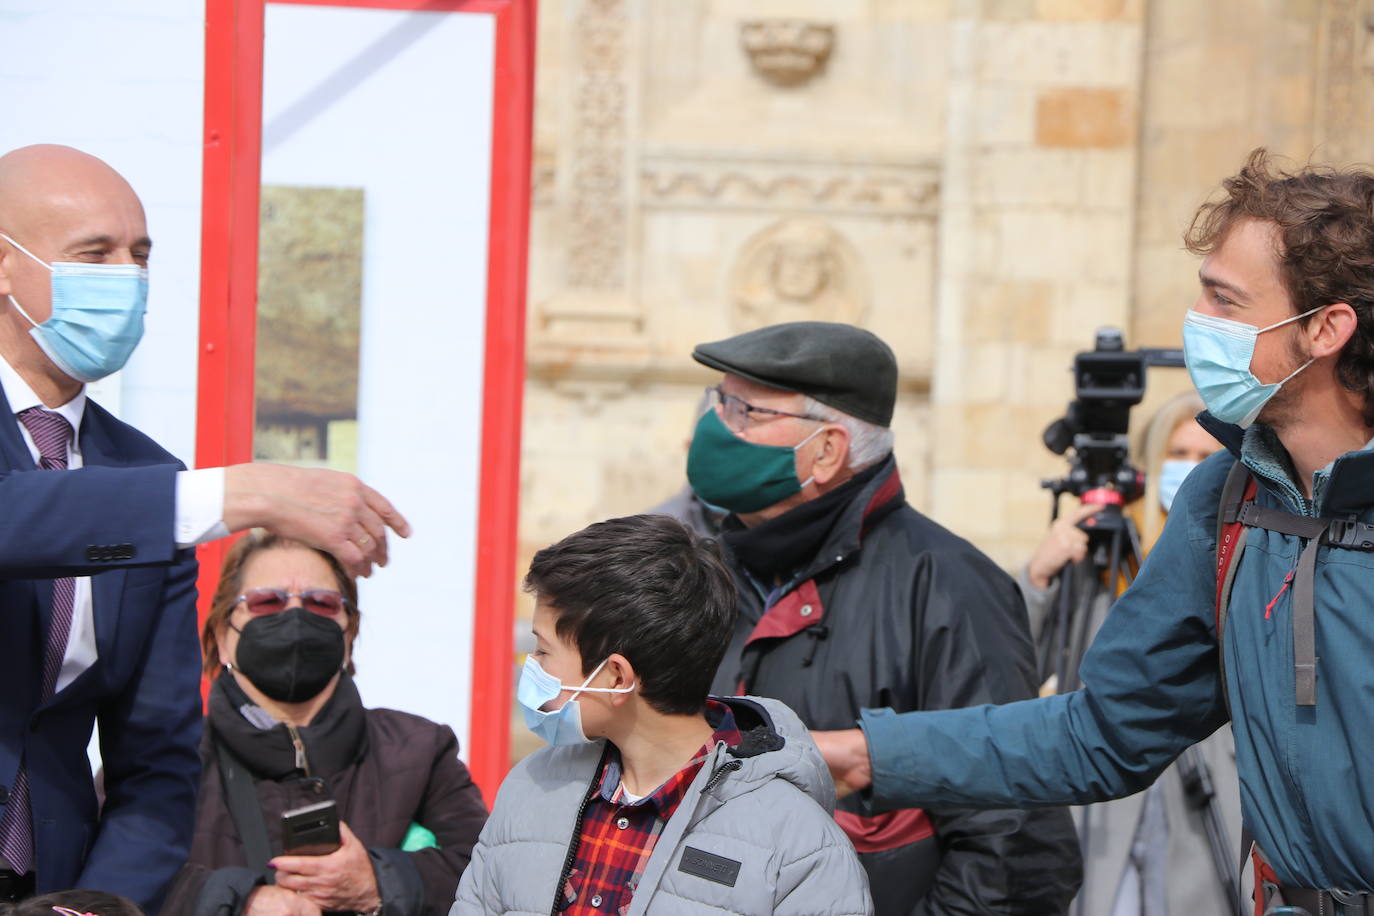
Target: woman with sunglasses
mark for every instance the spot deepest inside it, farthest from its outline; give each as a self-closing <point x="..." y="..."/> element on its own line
<point x="287" y="729"/>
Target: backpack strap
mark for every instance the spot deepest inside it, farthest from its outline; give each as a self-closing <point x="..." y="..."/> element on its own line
<point x="1237" y="513"/>
<point x="1304" y="615"/>
<point x="242" y="798"/>
<point x="1240" y="488"/>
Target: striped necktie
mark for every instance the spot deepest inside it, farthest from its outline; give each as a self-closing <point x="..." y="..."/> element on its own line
<point x="51" y="434"/>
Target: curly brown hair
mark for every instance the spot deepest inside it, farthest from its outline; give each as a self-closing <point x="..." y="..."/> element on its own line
<point x="231" y="586"/>
<point x="1325" y="220"/>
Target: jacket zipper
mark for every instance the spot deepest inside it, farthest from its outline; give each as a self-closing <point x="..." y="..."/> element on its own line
<point x="572" y="851"/>
<point x="302" y="763"/>
<point x="1289" y="492"/>
<point x="1287" y="581"/>
<point x="728" y="766"/>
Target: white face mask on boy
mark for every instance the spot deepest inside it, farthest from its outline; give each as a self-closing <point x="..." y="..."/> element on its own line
<point x="563" y="726"/>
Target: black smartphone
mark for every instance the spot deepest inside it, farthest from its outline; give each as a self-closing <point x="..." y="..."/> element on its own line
<point x="311" y="830"/>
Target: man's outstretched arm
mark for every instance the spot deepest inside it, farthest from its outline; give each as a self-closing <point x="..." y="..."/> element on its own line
<point x="1151" y="688"/>
<point x="127" y="516"/>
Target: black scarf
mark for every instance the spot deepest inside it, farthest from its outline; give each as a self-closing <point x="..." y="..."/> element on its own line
<point x="335" y="739"/>
<point x="779" y="547"/>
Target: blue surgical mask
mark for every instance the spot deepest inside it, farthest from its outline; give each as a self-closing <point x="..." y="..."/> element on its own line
<point x="1172" y="473"/>
<point x="563" y="726"/>
<point x="97" y="315"/>
<point x="1218" y="353"/>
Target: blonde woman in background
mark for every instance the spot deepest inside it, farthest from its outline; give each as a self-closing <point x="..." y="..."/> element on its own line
<point x="1147" y="854"/>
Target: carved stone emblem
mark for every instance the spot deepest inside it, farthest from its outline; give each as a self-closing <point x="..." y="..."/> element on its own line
<point x="798" y="270"/>
<point x="597" y="209"/>
<point x="787" y="52"/>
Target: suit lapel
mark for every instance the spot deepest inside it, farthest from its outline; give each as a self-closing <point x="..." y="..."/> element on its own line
<point x="12" y="448"/>
<point x="16" y="457"/>
<point x="98" y="449"/>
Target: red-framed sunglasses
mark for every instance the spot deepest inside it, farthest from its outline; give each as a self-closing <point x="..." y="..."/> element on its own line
<point x="326" y="602"/>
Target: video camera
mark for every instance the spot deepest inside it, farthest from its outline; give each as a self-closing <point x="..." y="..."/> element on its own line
<point x="1108" y="381"/>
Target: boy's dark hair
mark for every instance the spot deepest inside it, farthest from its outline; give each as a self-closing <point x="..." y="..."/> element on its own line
<point x="99" y="903"/>
<point x="649" y="588"/>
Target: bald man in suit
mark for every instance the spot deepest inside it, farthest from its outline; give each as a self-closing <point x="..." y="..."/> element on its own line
<point x="97" y="526"/>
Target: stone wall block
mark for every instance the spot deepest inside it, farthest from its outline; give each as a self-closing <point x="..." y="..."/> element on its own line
<point x="1001" y="436"/>
<point x="968" y="501"/>
<point x="1094" y="10"/>
<point x="1063" y="245"/>
<point x="986" y="372"/>
<point x="1020" y="176"/>
<point x="1082" y="308"/>
<point x="1010" y="310"/>
<point x="1085" y="117"/>
<point x="1036" y="243"/>
<point x="1158" y="319"/>
<point x="1109" y="178"/>
<point x="1059" y="53"/>
<point x="1004" y="114"/>
<point x="1048" y="382"/>
<point x="1015" y="10"/>
<point x="1211" y="85"/>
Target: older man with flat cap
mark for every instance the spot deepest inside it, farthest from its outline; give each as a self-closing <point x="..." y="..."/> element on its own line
<point x="97" y="578"/>
<point x="850" y="598"/>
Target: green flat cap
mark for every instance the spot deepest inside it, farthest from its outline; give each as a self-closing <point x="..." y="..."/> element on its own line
<point x="841" y="366"/>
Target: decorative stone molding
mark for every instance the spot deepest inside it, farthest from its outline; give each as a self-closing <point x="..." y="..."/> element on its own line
<point x="589" y="182"/>
<point x="589" y="395"/>
<point x="798" y="270"/>
<point x="787" y="52"/>
<point x="597" y="209"/>
<point x="543" y="175"/>
<point x="851" y="188"/>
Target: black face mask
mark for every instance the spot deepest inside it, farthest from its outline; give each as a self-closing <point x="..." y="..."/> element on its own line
<point x="290" y="656"/>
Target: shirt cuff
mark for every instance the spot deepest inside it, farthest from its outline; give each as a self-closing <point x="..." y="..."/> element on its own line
<point x="1029" y="590"/>
<point x="200" y="507"/>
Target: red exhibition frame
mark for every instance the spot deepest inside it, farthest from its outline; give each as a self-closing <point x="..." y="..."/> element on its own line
<point x="228" y="314"/>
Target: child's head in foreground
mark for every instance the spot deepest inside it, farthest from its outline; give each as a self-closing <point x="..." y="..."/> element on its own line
<point x="637" y="613"/>
<point x="73" y="903"/>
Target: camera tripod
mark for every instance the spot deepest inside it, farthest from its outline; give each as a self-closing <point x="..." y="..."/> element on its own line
<point x="1083" y="589"/>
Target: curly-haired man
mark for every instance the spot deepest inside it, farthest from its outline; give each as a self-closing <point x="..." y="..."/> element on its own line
<point x="1276" y="555"/>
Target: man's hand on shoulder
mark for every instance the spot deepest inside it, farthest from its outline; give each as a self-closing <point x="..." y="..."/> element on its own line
<point x="331" y="510"/>
<point x="846" y="753"/>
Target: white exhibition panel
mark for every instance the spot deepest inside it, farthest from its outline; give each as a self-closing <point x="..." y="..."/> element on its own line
<point x="124" y="80"/>
<point x="399" y="104"/>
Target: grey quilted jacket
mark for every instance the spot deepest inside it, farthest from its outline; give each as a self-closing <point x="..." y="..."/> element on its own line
<point x="768" y="810"/>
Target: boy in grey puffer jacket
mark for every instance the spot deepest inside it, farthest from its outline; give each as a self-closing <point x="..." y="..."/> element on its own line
<point x="654" y="799"/>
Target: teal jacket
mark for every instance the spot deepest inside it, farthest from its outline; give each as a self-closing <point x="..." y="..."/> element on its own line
<point x="1152" y="686"/>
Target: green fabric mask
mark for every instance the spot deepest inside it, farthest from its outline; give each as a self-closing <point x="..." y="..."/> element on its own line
<point x="741" y="476"/>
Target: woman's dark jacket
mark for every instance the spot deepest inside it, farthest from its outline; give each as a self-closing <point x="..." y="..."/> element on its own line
<point x="868" y="603"/>
<point x="385" y="769"/>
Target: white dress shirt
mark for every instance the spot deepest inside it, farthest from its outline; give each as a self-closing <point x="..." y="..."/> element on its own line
<point x="199" y="513"/>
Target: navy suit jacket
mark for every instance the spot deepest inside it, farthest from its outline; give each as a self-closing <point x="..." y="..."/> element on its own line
<point x="113" y="520"/>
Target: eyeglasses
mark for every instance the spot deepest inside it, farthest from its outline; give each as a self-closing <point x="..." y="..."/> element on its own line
<point x="737" y="412"/>
<point x="326" y="602"/>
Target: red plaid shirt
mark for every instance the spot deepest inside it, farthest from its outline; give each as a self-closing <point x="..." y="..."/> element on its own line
<point x="618" y="836"/>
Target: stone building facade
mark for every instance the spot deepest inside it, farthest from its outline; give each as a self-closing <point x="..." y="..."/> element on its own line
<point x="980" y="182"/>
